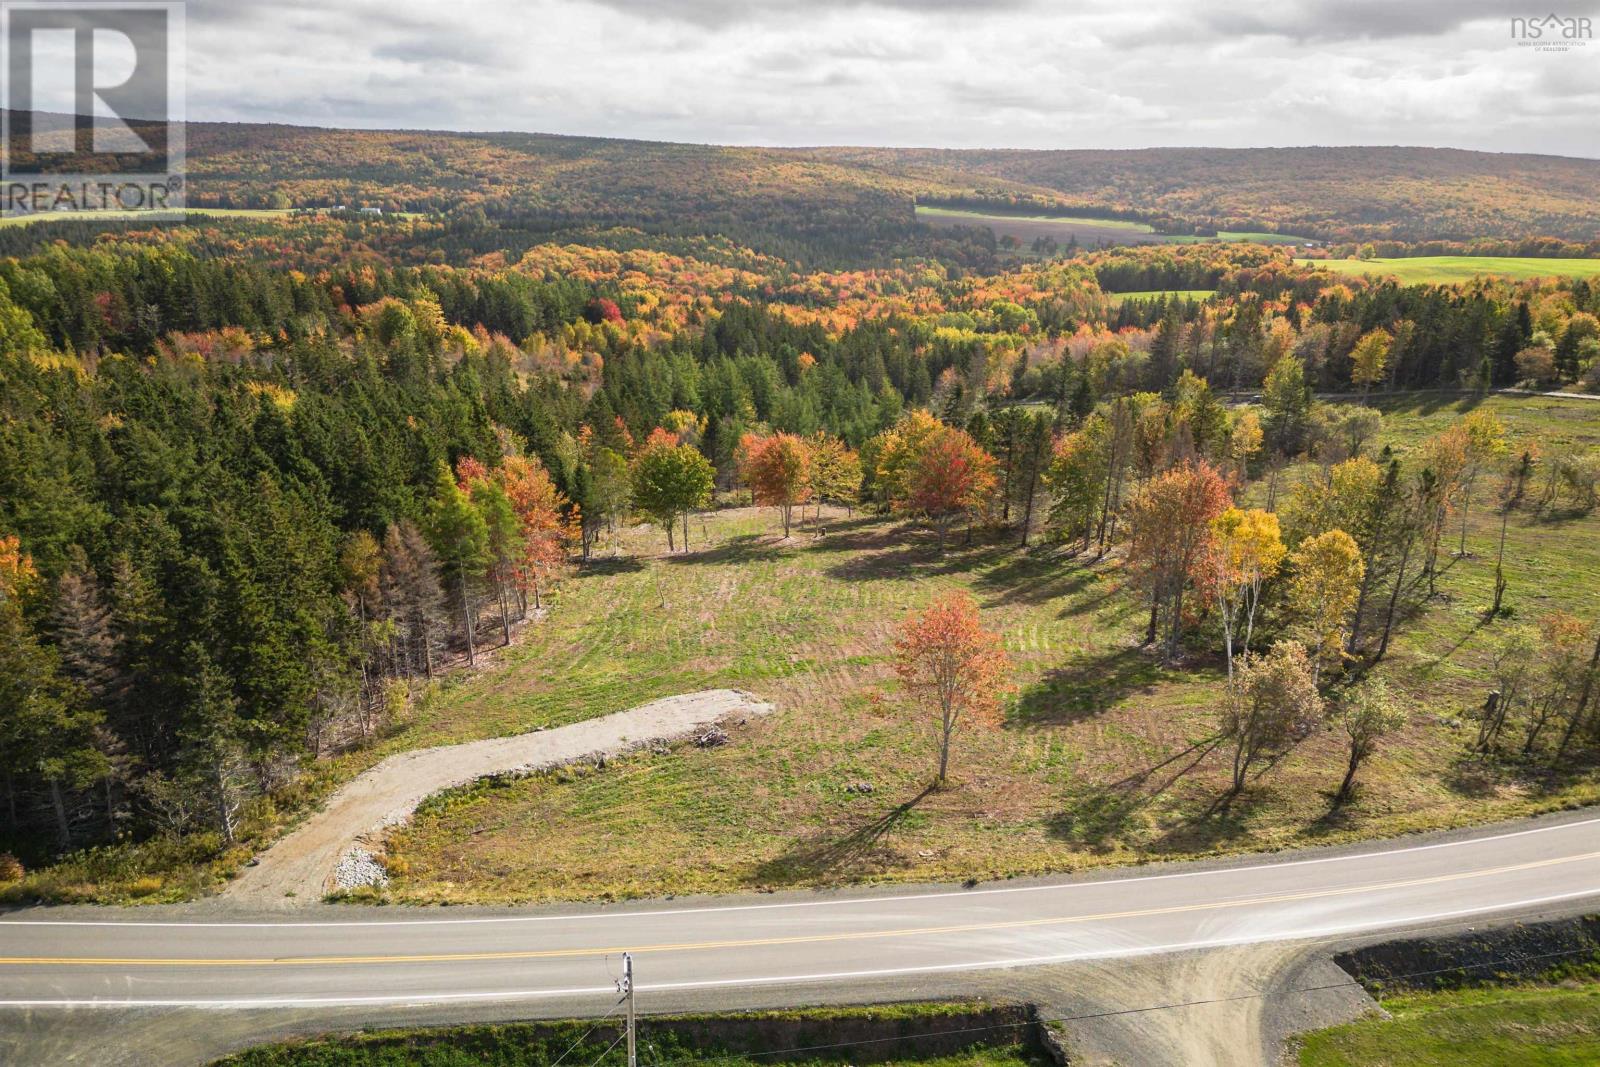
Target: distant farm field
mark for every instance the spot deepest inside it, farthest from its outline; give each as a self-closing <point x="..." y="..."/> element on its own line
<point x="1156" y="294"/>
<point x="1103" y="756"/>
<point x="1028" y="228"/>
<point x="117" y="216"/>
<point x="204" y="212"/>
<point x="1422" y="270"/>
<point x="1087" y="232"/>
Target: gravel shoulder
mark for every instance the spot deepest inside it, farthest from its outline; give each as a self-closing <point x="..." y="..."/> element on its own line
<point x="300" y="868"/>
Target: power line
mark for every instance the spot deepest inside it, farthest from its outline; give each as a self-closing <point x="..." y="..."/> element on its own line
<point x="607" y="1051"/>
<point x="597" y="1024"/>
<point x="1087" y="1016"/>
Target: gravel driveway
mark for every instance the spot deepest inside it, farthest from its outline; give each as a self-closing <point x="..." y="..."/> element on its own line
<point x="300" y="868"/>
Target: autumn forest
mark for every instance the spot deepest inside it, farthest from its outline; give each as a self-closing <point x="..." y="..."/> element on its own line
<point x="272" y="482"/>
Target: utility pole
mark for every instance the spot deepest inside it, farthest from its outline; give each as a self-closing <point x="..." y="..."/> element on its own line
<point x="627" y="991"/>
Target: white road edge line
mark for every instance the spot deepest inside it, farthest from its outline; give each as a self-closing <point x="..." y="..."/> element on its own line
<point x="487" y="996"/>
<point x="889" y="898"/>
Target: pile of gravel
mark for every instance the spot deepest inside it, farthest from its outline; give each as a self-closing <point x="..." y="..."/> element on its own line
<point x="357" y="868"/>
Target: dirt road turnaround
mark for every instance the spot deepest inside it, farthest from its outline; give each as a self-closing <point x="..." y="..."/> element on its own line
<point x="299" y="869"/>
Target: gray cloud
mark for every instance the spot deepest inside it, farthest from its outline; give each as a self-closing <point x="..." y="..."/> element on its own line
<point x="894" y="72"/>
<point x="1351" y="20"/>
<point x="724" y="13"/>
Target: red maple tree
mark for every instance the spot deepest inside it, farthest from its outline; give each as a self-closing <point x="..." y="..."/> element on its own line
<point x="778" y="470"/>
<point x="952" y="666"/>
<point x="951" y="476"/>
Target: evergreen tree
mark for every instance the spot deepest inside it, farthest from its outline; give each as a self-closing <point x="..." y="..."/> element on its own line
<point x="460" y="539"/>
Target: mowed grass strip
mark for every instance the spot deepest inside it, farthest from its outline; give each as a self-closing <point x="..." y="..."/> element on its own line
<point x="1533" y="1026"/>
<point x="1104" y="755"/>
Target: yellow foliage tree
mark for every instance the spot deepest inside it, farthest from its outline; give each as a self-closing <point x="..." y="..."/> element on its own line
<point x="1249" y="550"/>
<point x="1370" y="359"/>
<point x="1327" y="581"/>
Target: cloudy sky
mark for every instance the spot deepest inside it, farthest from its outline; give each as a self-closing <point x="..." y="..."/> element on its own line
<point x="955" y="73"/>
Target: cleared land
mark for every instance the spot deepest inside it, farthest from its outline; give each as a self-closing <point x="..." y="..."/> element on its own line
<point x="1087" y="231"/>
<point x="114" y="216"/>
<point x="302" y="864"/>
<point x="1516" y="1027"/>
<point x="205" y="212"/>
<point x="1421" y="270"/>
<point x="1104" y="755"/>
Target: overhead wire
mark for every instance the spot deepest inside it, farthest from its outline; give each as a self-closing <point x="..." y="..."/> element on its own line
<point x="1111" y="1013"/>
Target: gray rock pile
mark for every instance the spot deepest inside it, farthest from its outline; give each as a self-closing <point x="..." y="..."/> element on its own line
<point x="358" y="868"/>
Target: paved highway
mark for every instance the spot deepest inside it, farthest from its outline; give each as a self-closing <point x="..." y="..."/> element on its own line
<point x="386" y="957"/>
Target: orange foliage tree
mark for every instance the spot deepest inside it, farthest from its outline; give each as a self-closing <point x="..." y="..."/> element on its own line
<point x="777" y="469"/>
<point x="540" y="510"/>
<point x="1172" y="539"/>
<point x="16" y="569"/>
<point x="951" y="665"/>
<point x="952" y="476"/>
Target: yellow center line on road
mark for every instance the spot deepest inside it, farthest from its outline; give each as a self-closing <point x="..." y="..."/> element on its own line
<point x="803" y="939"/>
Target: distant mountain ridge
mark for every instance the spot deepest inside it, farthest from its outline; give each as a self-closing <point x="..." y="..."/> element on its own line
<point x="1351" y="193"/>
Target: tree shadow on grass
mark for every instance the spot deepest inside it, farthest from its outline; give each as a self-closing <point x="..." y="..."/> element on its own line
<point x="1479" y="622"/>
<point x="853" y="534"/>
<point x="598" y="567"/>
<point x="1101" y="818"/>
<point x="1098" y="820"/>
<point x="1170" y="768"/>
<point x="1478" y="776"/>
<point x="810" y="859"/>
<point x="1092" y="604"/>
<point x="919" y="557"/>
<point x="746" y="548"/>
<point x="1091" y="687"/>
<point x="1224" y="822"/>
<point x="1036" y="577"/>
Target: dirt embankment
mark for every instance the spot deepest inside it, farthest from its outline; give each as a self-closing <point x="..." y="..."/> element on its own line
<point x="300" y="868"/>
<point x="1517" y="951"/>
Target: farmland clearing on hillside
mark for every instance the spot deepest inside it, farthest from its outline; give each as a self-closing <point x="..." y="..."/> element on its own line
<point x="1442" y="270"/>
<point x="1087" y="232"/>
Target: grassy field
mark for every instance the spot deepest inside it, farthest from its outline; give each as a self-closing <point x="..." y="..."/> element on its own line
<point x="1534" y="1026"/>
<point x="1152" y="294"/>
<point x="1087" y="231"/>
<point x="1421" y="270"/>
<point x="207" y="212"/>
<point x="113" y="216"/>
<point x="1126" y="225"/>
<point x="1103" y="756"/>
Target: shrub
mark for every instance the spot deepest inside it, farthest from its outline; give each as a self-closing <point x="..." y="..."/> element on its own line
<point x="1537" y="365"/>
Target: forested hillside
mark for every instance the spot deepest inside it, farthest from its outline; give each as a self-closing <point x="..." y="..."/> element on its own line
<point x="1330" y="193"/>
<point x="262" y="479"/>
<point x="847" y="205"/>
